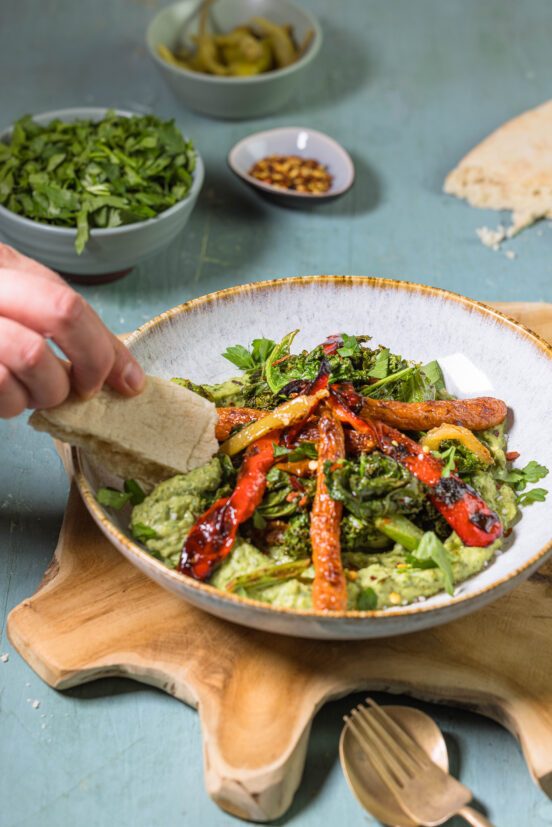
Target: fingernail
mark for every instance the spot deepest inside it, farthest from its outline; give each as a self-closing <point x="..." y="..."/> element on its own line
<point x="134" y="377"/>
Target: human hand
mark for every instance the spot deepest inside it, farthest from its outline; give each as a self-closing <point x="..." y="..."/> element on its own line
<point x="36" y="305"/>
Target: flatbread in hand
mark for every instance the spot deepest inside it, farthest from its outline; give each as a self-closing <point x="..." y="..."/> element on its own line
<point x="165" y="430"/>
<point x="511" y="169"/>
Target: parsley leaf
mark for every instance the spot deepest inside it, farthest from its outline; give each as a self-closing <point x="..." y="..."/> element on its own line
<point x="534" y="472"/>
<point x="519" y="477"/>
<point x="239" y="356"/>
<point x="112" y="498"/>
<point x="280" y="450"/>
<point x="143" y="532"/>
<point x="381" y="365"/>
<point x="431" y="553"/>
<point x="249" y="360"/>
<point x="367" y="600"/>
<point x="350" y="346"/>
<point x="533" y="496"/>
<point x="305" y="450"/>
<point x="434" y="374"/>
<point x="448" y="456"/>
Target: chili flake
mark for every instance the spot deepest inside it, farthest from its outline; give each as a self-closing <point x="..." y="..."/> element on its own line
<point x="290" y="172"/>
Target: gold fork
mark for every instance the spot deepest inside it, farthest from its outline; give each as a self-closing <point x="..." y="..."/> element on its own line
<point x="424" y="791"/>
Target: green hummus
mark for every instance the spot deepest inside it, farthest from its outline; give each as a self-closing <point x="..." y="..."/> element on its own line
<point x="174" y="505"/>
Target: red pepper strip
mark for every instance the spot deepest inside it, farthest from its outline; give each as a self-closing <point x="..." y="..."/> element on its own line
<point x="332" y="344"/>
<point x="461" y="506"/>
<point x="319" y="384"/>
<point x="213" y="534"/>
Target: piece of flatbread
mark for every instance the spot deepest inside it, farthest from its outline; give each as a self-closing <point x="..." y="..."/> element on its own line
<point x="165" y="430"/>
<point x="510" y="170"/>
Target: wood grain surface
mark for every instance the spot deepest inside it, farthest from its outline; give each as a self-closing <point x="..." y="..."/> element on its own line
<point x="95" y="615"/>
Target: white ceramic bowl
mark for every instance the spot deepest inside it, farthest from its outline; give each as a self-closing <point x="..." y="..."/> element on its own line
<point x="481" y="352"/>
<point x="109" y="253"/>
<point x="293" y="140"/>
<point x="231" y="97"/>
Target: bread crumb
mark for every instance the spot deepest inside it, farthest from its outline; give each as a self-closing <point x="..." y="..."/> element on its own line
<point x="510" y="254"/>
<point x="491" y="238"/>
<point x="4" y="657"/>
<point x="36" y="704"/>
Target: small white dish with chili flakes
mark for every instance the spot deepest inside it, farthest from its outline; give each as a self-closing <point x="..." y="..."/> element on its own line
<point x="293" y="165"/>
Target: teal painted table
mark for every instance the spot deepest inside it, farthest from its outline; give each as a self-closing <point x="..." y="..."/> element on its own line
<point x="408" y="89"/>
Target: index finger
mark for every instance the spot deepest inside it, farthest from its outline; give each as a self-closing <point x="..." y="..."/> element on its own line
<point x="57" y="312"/>
<point x="12" y="259"/>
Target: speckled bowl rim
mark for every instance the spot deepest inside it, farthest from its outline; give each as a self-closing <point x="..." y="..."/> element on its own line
<point x="336" y="147"/>
<point x="134" y="551"/>
<point x="241" y="80"/>
<point x="101" y="232"/>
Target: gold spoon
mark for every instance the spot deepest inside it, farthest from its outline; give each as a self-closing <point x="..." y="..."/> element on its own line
<point x="367" y="785"/>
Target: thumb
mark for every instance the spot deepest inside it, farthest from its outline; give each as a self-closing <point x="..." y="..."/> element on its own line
<point x="126" y="375"/>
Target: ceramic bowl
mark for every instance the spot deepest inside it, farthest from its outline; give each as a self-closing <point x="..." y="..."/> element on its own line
<point x="293" y="140"/>
<point x="231" y="97"/>
<point x="481" y="352"/>
<point x="109" y="253"/>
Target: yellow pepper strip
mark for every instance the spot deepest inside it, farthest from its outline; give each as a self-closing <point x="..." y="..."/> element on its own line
<point x="282" y="44"/>
<point x="301" y="467"/>
<point x="433" y="439"/>
<point x="281" y="417"/>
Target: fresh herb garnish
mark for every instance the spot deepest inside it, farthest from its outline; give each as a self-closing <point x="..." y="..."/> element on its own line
<point x="112" y="498"/>
<point x="239" y="356"/>
<point x="305" y="450"/>
<point x="519" y="478"/>
<point x="275" y="379"/>
<point x="88" y="175"/>
<point x="431" y="553"/>
<point x="142" y="532"/>
<point x="448" y="457"/>
<point x="367" y="600"/>
<point x="434" y="374"/>
<point x="400" y="374"/>
<point x="249" y="360"/>
<point x="534" y="495"/>
<point x="349" y="347"/>
<point x="381" y="365"/>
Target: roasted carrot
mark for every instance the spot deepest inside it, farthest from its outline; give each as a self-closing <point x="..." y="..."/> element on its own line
<point x="329" y="590"/>
<point x="475" y="414"/>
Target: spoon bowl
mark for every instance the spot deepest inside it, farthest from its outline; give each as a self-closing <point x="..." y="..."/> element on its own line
<point x="364" y="781"/>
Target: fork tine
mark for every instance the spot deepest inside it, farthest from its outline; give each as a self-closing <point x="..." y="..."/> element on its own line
<point x="398" y="753"/>
<point x="373" y="752"/>
<point x="416" y="752"/>
<point x="391" y="757"/>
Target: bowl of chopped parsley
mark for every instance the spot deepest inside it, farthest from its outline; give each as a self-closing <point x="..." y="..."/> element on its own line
<point x="91" y="192"/>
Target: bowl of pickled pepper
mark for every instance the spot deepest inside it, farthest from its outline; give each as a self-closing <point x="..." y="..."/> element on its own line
<point x="233" y="59"/>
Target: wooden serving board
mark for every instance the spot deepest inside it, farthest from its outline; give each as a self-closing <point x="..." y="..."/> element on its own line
<point x="95" y="615"/>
